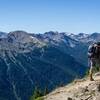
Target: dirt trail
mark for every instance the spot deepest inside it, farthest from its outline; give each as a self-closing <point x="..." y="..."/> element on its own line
<point x="78" y="90"/>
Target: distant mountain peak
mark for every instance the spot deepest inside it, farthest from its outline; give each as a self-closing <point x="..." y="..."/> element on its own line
<point x="3" y="34"/>
<point x="51" y="33"/>
<point x="95" y="34"/>
<point x="17" y="33"/>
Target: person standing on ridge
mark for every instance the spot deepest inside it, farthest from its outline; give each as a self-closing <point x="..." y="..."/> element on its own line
<point x="94" y="58"/>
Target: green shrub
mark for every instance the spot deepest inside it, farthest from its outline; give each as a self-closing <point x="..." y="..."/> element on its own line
<point x="40" y="98"/>
<point x="37" y="94"/>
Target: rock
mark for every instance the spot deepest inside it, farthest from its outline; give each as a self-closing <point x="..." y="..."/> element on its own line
<point x="69" y="98"/>
<point x="98" y="87"/>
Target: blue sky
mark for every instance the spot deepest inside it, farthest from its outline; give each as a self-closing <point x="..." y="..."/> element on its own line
<point x="39" y="16"/>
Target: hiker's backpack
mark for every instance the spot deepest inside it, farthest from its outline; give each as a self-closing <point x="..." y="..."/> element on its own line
<point x="97" y="50"/>
<point x="94" y="50"/>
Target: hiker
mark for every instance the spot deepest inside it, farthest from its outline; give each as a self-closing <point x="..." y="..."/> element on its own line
<point x="94" y="58"/>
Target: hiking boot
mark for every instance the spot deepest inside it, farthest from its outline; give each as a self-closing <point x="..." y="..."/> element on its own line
<point x="91" y="79"/>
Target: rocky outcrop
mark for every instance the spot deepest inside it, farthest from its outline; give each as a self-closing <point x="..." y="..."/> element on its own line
<point x="78" y="90"/>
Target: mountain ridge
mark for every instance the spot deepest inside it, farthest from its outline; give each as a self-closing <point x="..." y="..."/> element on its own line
<point x="46" y="60"/>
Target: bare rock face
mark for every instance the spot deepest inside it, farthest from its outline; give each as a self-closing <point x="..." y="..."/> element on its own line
<point x="80" y="90"/>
